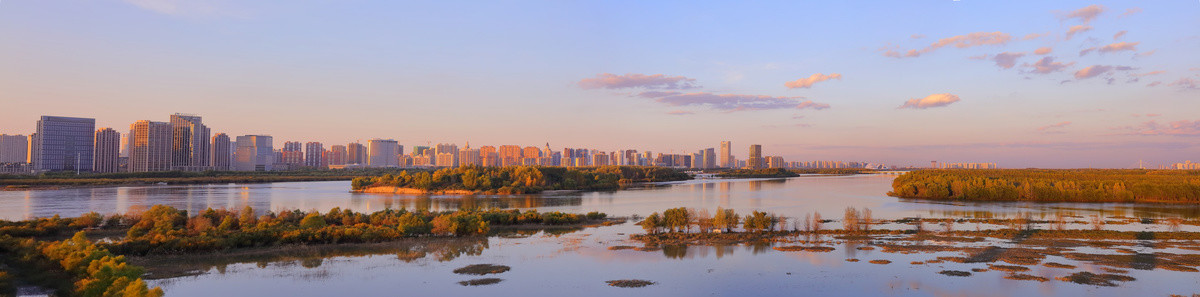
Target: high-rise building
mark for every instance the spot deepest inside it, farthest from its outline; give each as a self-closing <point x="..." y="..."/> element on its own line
<point x="221" y="158"/>
<point x="446" y="155"/>
<point x="14" y="148"/>
<point x="531" y="155"/>
<point x="708" y="157"/>
<point x="600" y="159"/>
<point x="468" y="156"/>
<point x="33" y="149"/>
<point x="356" y="153"/>
<point x="190" y="143"/>
<point x="254" y="153"/>
<point x="337" y="155"/>
<point x="292" y="154"/>
<point x="64" y="144"/>
<point x="488" y="156"/>
<point x="755" y="161"/>
<point x="727" y="154"/>
<point x="108" y="151"/>
<point x="382" y="153"/>
<point x="510" y="155"/>
<point x="150" y="146"/>
<point x="775" y="162"/>
<point x="314" y="155"/>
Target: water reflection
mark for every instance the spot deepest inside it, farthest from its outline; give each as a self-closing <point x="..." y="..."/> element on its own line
<point x="791" y="197"/>
<point x="312" y="257"/>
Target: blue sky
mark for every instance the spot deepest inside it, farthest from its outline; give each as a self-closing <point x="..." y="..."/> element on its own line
<point x="514" y="72"/>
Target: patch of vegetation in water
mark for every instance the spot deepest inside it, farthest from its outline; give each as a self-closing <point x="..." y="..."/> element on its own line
<point x="482" y="269"/>
<point x="818" y="249"/>
<point x="629" y="283"/>
<point x="1058" y="265"/>
<point x="881" y="262"/>
<point x="1088" y="278"/>
<point x="1009" y="268"/>
<point x="1022" y="276"/>
<point x="955" y="273"/>
<point x="480" y="282"/>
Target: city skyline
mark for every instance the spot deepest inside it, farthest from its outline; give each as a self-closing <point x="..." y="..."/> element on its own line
<point x="1074" y="84"/>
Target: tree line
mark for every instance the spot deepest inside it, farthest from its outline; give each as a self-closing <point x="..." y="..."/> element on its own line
<point x="521" y="179"/>
<point x="1051" y="185"/>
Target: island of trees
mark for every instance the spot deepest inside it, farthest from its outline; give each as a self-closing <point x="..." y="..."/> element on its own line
<point x="519" y="179"/>
<point x="30" y="251"/>
<point x="1047" y="185"/>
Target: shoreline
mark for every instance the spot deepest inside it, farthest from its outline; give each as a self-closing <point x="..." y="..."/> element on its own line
<point x="68" y="184"/>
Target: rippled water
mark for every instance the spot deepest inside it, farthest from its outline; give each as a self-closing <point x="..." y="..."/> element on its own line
<point x="578" y="263"/>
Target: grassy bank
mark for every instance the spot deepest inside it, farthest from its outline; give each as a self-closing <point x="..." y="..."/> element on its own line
<point x="31" y="252"/>
<point x="520" y="179"/>
<point x="1047" y="185"/>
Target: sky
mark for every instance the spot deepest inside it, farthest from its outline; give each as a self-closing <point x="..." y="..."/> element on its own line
<point x="1053" y="84"/>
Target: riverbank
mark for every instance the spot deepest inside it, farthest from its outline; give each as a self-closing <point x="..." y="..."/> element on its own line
<point x="59" y="184"/>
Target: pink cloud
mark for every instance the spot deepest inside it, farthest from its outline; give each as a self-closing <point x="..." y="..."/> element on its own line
<point x="1047" y="65"/>
<point x="1007" y="60"/>
<point x="680" y="112"/>
<point x="1176" y="128"/>
<point x="635" y="80"/>
<point x="1077" y="29"/>
<point x="917" y="36"/>
<point x="812" y="105"/>
<point x="979" y="57"/>
<point x="931" y="101"/>
<point x="1186" y="83"/>
<point x="1119" y="46"/>
<point x="1156" y="72"/>
<point x="1145" y="54"/>
<point x="1043" y="50"/>
<point x="1053" y="126"/>
<point x="1119" y="34"/>
<point x="809" y="81"/>
<point x="1097" y="70"/>
<point x="1034" y="36"/>
<point x="1086" y="14"/>
<point x="1154" y="84"/>
<point x="1086" y="51"/>
<point x="959" y="41"/>
<point x="1131" y="11"/>
<point x="732" y="102"/>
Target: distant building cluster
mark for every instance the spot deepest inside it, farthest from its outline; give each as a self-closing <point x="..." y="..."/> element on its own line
<point x="185" y="143"/>
<point x="1186" y="165"/>
<point x="937" y="165"/>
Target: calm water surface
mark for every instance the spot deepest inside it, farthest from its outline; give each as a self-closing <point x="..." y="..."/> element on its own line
<point x="577" y="263"/>
<point x="793" y="197"/>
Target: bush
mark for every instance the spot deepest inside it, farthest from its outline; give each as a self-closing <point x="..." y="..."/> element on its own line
<point x="313" y="220"/>
<point x="596" y="215"/>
